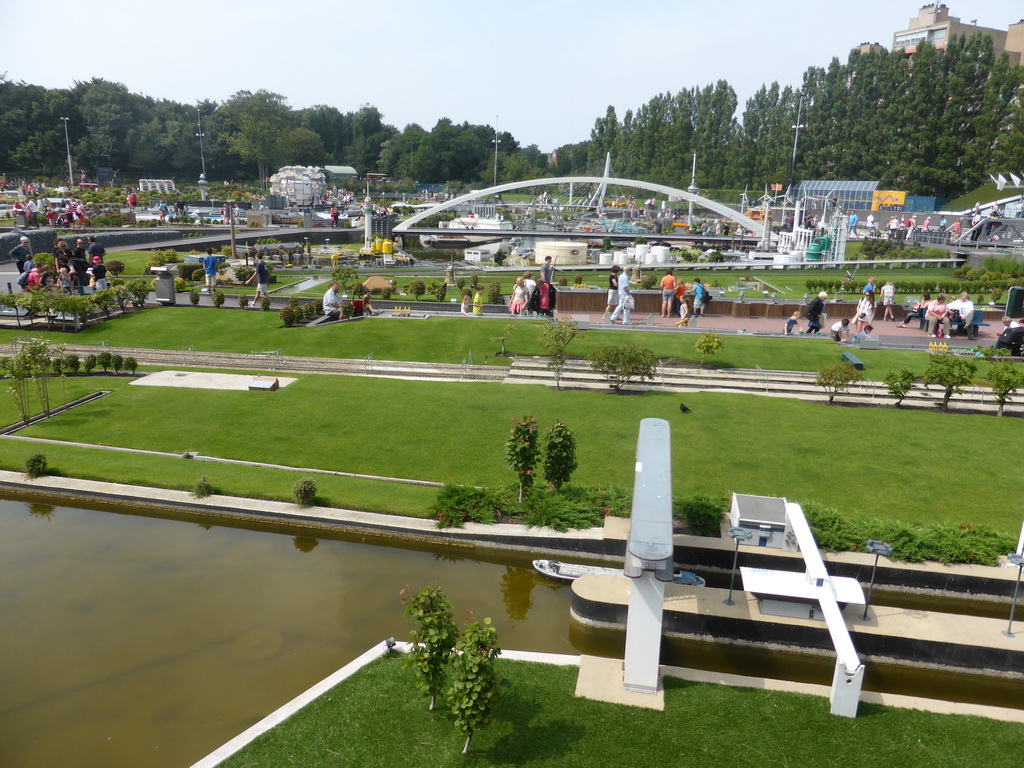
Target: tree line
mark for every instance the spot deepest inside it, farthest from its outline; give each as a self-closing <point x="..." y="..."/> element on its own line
<point x="934" y="124"/>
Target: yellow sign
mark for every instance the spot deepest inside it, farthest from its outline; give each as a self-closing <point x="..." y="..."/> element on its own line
<point x="888" y="201"/>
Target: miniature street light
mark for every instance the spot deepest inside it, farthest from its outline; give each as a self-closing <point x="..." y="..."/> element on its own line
<point x="878" y="549"/>
<point x="1018" y="560"/>
<point x="738" y="535"/>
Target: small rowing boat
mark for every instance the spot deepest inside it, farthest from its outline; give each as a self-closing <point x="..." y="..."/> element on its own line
<point x="559" y="571"/>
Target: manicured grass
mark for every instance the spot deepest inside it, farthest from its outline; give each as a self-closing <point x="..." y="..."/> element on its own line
<point x="378" y="718"/>
<point x="860" y="460"/>
<point x="443" y="340"/>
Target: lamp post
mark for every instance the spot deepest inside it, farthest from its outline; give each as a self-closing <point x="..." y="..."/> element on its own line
<point x="796" y="138"/>
<point x="497" y="141"/>
<point x="738" y="535"/>
<point x="1018" y="560"/>
<point x="202" y="156"/>
<point x="67" y="143"/>
<point x="878" y="549"/>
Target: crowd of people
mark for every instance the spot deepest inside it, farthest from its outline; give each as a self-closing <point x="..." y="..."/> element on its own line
<point x="66" y="213"/>
<point x="71" y="271"/>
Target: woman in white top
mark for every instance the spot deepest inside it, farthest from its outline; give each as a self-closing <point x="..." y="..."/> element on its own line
<point x="865" y="311"/>
<point x="518" y="297"/>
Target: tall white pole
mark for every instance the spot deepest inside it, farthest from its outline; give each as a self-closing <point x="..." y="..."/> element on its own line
<point x="67" y="143"/>
<point x="496" y="143"/>
<point x="693" y="189"/>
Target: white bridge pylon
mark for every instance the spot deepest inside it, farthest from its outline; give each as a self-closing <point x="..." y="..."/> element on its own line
<point x="722" y="210"/>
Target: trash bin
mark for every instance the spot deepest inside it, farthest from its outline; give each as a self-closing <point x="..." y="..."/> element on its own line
<point x="165" y="286"/>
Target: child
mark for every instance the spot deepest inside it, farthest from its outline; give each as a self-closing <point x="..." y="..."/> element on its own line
<point x="466" y="303"/>
<point x="684" y="311"/>
<point x="793" y="324"/>
<point x="478" y="300"/>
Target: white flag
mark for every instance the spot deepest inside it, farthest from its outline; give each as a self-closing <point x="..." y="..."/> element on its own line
<point x="994" y="180"/>
<point x="1015" y="179"/>
<point x="1000" y="182"/>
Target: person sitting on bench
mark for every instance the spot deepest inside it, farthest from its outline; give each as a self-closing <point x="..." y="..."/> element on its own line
<point x="333" y="302"/>
<point x="917" y="313"/>
<point x="962" y="309"/>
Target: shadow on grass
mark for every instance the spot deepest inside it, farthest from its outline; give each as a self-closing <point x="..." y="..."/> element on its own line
<point x="531" y="743"/>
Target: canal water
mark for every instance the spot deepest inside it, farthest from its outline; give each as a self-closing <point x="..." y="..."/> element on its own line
<point x="133" y="640"/>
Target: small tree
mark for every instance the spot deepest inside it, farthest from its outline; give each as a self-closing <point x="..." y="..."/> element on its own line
<point x="18" y="372"/>
<point x="475" y="680"/>
<point x="709" y="343"/>
<point x="559" y="455"/>
<point x="203" y="488"/>
<point x="494" y="293"/>
<point x="440" y="291"/>
<point x="835" y="378"/>
<point x="304" y="491"/>
<point x="265" y="303"/>
<point x="138" y="292"/>
<point x="89" y="364"/>
<point x="622" y="364"/>
<point x="35" y="466"/>
<point x="433" y="642"/>
<point x="556" y="337"/>
<point x="522" y="451"/>
<point x="117" y="363"/>
<point x="1005" y="378"/>
<point x="218" y="298"/>
<point x="417" y="288"/>
<point x="506" y="333"/>
<point x="899" y="384"/>
<point x="104" y="359"/>
<point x="114" y="267"/>
<point x="131" y="365"/>
<point x="950" y="372"/>
<point x="243" y="301"/>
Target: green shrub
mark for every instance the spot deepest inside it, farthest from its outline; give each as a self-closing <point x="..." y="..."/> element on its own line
<point x="117" y="363"/>
<point x="243" y="300"/>
<point x="203" y="488"/>
<point x="648" y="282"/>
<point x="89" y="363"/>
<point x="494" y="293"/>
<point x="417" y="288"/>
<point x="457" y="503"/>
<point x="180" y="284"/>
<point x="70" y="363"/>
<point x="559" y="511"/>
<point x="218" y="298"/>
<point x="193" y="296"/>
<point x="289" y="315"/>
<point x="265" y="303"/>
<point x="385" y="294"/>
<point x="131" y="365"/>
<point x="104" y="359"/>
<point x="621" y="364"/>
<point x="304" y="491"/>
<point x="243" y="273"/>
<point x="703" y="514"/>
<point x="35" y="466"/>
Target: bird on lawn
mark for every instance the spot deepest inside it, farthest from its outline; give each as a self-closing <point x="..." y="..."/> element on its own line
<point x="683" y="408"/>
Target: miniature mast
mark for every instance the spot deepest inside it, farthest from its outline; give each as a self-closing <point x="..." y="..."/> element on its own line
<point x="368" y="221"/>
<point x="648" y="556"/>
<point x="693" y="189"/>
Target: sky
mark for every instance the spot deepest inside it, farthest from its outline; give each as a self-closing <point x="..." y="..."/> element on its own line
<point x="544" y="71"/>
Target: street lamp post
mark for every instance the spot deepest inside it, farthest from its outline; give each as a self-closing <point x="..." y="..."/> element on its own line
<point x="738" y="535"/>
<point x="796" y="139"/>
<point x="497" y="141"/>
<point x="202" y="155"/>
<point x="67" y="143"/>
<point x="878" y="549"/>
<point x="1018" y="560"/>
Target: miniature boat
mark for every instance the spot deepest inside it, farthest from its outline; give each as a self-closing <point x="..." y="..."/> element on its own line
<point x="559" y="571"/>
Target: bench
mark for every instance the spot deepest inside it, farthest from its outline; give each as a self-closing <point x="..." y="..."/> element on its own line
<point x="978" y="321"/>
<point x="853" y="359"/>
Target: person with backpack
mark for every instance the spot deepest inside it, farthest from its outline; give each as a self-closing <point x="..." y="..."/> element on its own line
<point x="701" y="297"/>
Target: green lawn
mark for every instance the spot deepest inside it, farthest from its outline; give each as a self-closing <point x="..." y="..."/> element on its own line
<point x="443" y="340"/>
<point x="377" y="718"/>
<point x="860" y="460"/>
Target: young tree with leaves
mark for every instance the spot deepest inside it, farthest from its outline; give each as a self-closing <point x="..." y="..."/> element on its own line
<point x="433" y="642"/>
<point x="899" y="384"/>
<point x="1005" y="378"/>
<point x="559" y="455"/>
<point x="836" y="378"/>
<point x="474" y="678"/>
<point x="622" y="364"/>
<point x="556" y="337"/>
<point x="950" y="372"/>
<point x="522" y="451"/>
<point x="709" y="343"/>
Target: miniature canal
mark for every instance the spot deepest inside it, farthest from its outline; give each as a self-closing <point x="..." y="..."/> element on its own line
<point x="134" y="639"/>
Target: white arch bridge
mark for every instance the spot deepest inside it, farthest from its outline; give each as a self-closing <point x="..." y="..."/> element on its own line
<point x="572" y="206"/>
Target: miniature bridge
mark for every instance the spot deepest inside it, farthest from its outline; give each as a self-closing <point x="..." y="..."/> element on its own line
<point x="571" y="206"/>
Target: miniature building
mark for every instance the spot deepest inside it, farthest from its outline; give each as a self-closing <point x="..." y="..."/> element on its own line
<point x="300" y="184"/>
<point x="766" y="517"/>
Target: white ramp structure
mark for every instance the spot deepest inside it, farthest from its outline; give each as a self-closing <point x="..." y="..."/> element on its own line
<point x="648" y="556"/>
<point x="778" y="589"/>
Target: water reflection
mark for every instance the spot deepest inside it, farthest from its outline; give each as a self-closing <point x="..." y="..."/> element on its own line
<point x="40" y="510"/>
<point x="305" y="543"/>
<point x="517" y="592"/>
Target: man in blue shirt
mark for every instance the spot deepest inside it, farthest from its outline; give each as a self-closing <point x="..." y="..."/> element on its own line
<point x="210" y="270"/>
